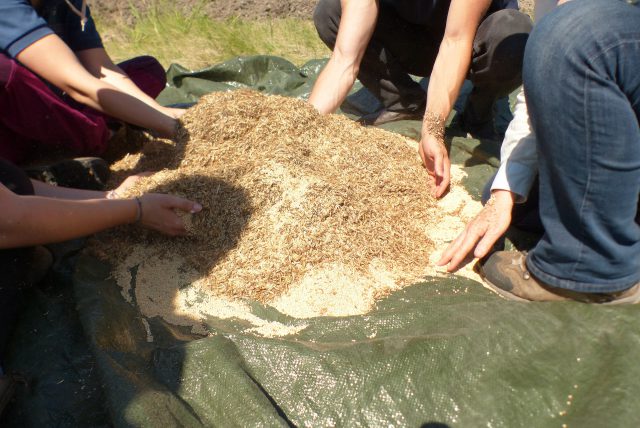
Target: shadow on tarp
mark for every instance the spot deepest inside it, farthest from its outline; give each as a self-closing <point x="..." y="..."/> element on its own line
<point x="445" y="352"/>
<point x="50" y="349"/>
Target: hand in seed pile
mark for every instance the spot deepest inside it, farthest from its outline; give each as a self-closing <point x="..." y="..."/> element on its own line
<point x="482" y="232"/>
<point x="128" y="183"/>
<point x="436" y="160"/>
<point x="158" y="212"/>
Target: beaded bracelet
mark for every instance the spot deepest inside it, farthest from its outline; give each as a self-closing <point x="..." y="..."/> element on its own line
<point x="139" y="215"/>
<point x="112" y="194"/>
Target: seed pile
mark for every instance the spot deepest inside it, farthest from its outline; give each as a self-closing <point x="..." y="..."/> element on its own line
<point x="288" y="196"/>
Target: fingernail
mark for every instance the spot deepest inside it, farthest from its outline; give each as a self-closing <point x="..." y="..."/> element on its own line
<point x="196" y="208"/>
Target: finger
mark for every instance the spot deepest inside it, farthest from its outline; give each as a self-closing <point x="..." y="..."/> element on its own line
<point x="438" y="165"/>
<point x="451" y="249"/>
<point x="175" y="226"/>
<point x="484" y="246"/>
<point x="446" y="176"/>
<point x="465" y="249"/>
<point x="186" y="205"/>
<point x="488" y="241"/>
<point x="438" y="173"/>
<point x="180" y="230"/>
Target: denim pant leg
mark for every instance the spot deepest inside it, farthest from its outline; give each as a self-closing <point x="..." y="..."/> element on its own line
<point x="582" y="80"/>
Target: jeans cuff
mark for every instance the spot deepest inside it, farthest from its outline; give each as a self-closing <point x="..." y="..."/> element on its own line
<point x="612" y="286"/>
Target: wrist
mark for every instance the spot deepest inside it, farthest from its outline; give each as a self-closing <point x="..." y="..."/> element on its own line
<point x="433" y="125"/>
<point x="138" y="210"/>
<point x="172" y="128"/>
<point x="502" y="197"/>
<point x="168" y="128"/>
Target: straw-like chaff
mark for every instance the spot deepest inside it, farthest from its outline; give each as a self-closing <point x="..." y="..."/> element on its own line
<point x="287" y="193"/>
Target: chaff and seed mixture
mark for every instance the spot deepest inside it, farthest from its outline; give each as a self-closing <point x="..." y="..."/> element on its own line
<point x="314" y="215"/>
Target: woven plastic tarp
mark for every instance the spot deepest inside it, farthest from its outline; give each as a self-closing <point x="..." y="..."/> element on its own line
<point x="445" y="352"/>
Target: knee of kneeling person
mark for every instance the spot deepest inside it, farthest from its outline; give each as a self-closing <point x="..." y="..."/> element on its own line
<point x="326" y="18"/>
<point x="499" y="50"/>
<point x="147" y="73"/>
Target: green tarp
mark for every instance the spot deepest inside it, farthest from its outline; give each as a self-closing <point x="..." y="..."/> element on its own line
<point x="439" y="353"/>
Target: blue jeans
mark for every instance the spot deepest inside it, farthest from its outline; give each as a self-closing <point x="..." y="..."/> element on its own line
<point x="582" y="81"/>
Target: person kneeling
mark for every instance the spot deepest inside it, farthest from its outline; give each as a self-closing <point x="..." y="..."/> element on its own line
<point x="35" y="213"/>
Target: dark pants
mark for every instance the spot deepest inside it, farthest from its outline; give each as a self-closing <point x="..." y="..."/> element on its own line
<point x="35" y="121"/>
<point x="399" y="48"/>
<point x="14" y="263"/>
<point x="583" y="94"/>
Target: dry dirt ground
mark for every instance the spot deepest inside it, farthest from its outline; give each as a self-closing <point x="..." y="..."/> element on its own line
<point x="223" y="9"/>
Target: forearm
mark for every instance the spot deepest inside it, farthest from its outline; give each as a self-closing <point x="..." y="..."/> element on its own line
<point x="449" y="71"/>
<point x="34" y="220"/>
<point x="116" y="77"/>
<point x="333" y="85"/>
<point x="357" y="24"/>
<point x="52" y="60"/>
<point x="49" y="191"/>
<point x="129" y="109"/>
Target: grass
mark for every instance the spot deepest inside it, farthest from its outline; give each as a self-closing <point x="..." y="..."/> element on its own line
<point x="195" y="41"/>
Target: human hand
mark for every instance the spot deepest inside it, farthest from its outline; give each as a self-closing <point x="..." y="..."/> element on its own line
<point x="436" y="160"/>
<point x="170" y="123"/>
<point x="175" y="113"/>
<point x="158" y="212"/>
<point x="127" y="184"/>
<point x="482" y="232"/>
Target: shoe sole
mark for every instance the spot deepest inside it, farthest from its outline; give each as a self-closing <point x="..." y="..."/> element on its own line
<point x="504" y="294"/>
<point x="627" y="300"/>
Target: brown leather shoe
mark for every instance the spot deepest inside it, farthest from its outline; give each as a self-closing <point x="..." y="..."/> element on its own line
<point x="81" y="173"/>
<point x="505" y="272"/>
<point x="385" y="116"/>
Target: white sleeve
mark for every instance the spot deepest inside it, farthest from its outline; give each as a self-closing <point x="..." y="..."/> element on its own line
<point x="518" y="156"/>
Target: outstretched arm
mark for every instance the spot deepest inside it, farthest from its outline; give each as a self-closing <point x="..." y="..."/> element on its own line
<point x="335" y="81"/>
<point x="99" y="64"/>
<point x="449" y="71"/>
<point x="56" y="214"/>
<point x="51" y="59"/>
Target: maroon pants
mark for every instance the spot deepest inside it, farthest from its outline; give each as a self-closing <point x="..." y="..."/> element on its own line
<point x="35" y="121"/>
